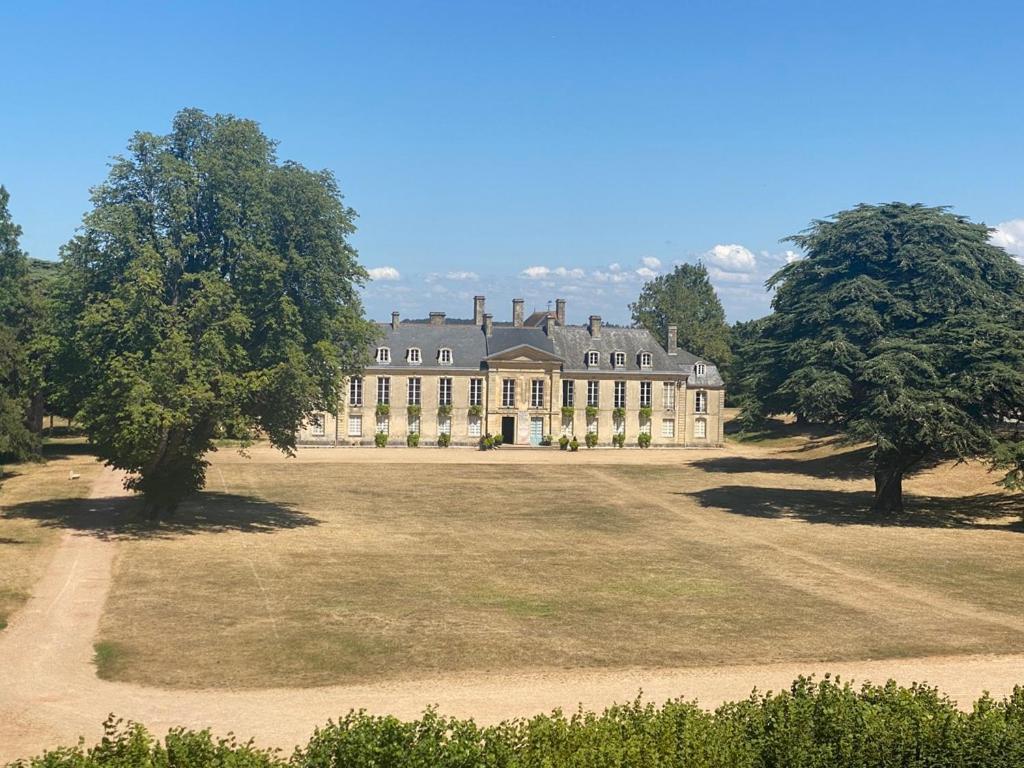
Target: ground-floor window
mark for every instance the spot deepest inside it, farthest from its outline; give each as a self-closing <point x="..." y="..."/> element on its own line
<point x="444" y="425"/>
<point x="567" y="426"/>
<point x="592" y="426"/>
<point x="668" y="428"/>
<point x="474" y="426"/>
<point x="383" y="424"/>
<point x="619" y="426"/>
<point x="645" y="427"/>
<point x="414" y="424"/>
<point x="700" y="428"/>
<point x="355" y="425"/>
<point x="316" y="425"/>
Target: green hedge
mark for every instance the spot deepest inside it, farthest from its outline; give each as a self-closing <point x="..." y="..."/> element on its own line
<point x="813" y="725"/>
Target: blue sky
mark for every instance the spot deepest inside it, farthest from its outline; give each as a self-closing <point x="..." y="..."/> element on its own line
<point x="542" y="149"/>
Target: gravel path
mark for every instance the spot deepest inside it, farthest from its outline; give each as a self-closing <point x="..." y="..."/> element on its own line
<point x="49" y="694"/>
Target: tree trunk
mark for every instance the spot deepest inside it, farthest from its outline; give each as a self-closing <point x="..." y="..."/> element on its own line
<point x="888" y="490"/>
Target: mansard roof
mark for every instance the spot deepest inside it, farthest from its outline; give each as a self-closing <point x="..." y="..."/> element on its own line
<point x="466" y="341"/>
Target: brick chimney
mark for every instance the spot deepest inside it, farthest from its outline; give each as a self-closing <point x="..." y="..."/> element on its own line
<point x="488" y="323"/>
<point x="560" y="311"/>
<point x="517" y="313"/>
<point x="478" y="311"/>
<point x="437" y="318"/>
<point x="595" y="326"/>
<point x="395" y="321"/>
<point x="672" y="336"/>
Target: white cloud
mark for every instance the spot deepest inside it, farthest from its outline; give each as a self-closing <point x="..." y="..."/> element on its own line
<point x="724" y="276"/>
<point x="646" y="273"/>
<point x="651" y="263"/>
<point x="384" y="273"/>
<point x="540" y="272"/>
<point x="462" y="275"/>
<point x="792" y="256"/>
<point x="1010" y="236"/>
<point x="731" y="258"/>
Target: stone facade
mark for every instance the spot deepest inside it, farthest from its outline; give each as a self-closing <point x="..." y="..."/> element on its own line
<point x="477" y="377"/>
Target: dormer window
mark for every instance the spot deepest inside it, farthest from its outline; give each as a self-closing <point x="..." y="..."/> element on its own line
<point x="700" y="369"/>
<point x="383" y="355"/>
<point x="592" y="359"/>
<point x="412" y="356"/>
<point x="645" y="359"/>
<point x="444" y="356"/>
<point x="619" y="359"/>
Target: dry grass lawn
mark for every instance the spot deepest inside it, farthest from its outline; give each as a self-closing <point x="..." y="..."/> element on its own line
<point x="24" y="542"/>
<point x="363" y="565"/>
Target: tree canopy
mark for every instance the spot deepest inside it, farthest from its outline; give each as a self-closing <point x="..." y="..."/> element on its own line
<point x="17" y="314"/>
<point x="211" y="287"/>
<point x="904" y="326"/>
<point x="686" y="298"/>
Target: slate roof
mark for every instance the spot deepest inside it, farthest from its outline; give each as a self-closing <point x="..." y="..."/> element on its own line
<point x="470" y="348"/>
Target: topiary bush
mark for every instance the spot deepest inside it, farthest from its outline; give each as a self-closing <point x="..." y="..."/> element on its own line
<point x="563" y="442"/>
<point x="619" y="439"/>
<point x="413" y="439"/>
<point x="486" y="443"/>
<point x="444" y="440"/>
<point x="547" y="440"/>
<point x="380" y="439"/>
<point x="591" y="439"/>
<point x="644" y="439"/>
<point x="499" y="441"/>
<point x="574" y="445"/>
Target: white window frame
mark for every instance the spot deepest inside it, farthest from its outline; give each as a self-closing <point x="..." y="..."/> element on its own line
<point x="592" y="426"/>
<point x="668" y="395"/>
<point x="645" y="427"/>
<point x="700" y="369"/>
<point x="444" y="425"/>
<point x="413" y="356"/>
<point x="317" y="425"/>
<point x="414" y="390"/>
<point x="593" y="393"/>
<point x="476" y="391"/>
<point x="355" y="391"/>
<point x="383" y="355"/>
<point x="383" y="425"/>
<point x="593" y="359"/>
<point x="700" y="429"/>
<point x="537" y="393"/>
<point x="646" y="360"/>
<point x="444" y="356"/>
<point x="618" y="359"/>
<point x="700" y="401"/>
<point x="414" y="424"/>
<point x="383" y="390"/>
<point x="444" y="390"/>
<point x="619" y="399"/>
<point x="355" y="420"/>
<point x="474" y="426"/>
<point x="668" y="427"/>
<point x="508" y="393"/>
<point x="568" y="393"/>
<point x="646" y="394"/>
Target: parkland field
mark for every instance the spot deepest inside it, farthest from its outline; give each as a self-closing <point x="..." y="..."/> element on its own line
<point x="293" y="589"/>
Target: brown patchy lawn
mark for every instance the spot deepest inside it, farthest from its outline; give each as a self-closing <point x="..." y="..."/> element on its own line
<point x="357" y="565"/>
<point x="25" y="543"/>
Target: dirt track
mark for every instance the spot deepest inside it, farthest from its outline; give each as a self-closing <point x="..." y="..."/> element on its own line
<point x="49" y="694"/>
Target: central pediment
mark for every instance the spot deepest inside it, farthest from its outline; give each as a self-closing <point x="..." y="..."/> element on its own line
<point x="524" y="353"/>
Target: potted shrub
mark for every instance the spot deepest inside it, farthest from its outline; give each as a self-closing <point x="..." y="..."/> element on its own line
<point x="568" y="412"/>
<point x="380" y="439"/>
<point x="644" y="439"/>
<point x="619" y="439"/>
<point x="498" y="441"/>
<point x="444" y="440"/>
<point x="546" y="441"/>
<point x="413" y="439"/>
<point x="591" y="439"/>
<point x="383" y="409"/>
<point x="476" y="410"/>
<point x="574" y="444"/>
<point x="563" y="443"/>
<point x="486" y="443"/>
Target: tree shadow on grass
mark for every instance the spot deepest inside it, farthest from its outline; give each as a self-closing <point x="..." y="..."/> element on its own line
<point x="123" y="517"/>
<point x="979" y="511"/>
<point x="846" y="465"/>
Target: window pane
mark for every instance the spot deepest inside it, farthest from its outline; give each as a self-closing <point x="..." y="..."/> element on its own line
<point x="668" y="428"/>
<point x="568" y="392"/>
<point x="669" y="395"/>
<point x="355" y="426"/>
<point x="474" y="426"/>
<point x="383" y="389"/>
<point x="700" y="428"/>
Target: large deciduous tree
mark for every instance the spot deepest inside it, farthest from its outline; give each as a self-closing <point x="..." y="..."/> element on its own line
<point x="17" y="317"/>
<point x="686" y="298"/>
<point x="210" y="286"/>
<point x="904" y="326"/>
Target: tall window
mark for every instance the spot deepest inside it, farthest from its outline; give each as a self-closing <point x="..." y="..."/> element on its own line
<point x="444" y="356"/>
<point x="700" y="402"/>
<point x="619" y="359"/>
<point x="568" y="393"/>
<point x="700" y="369"/>
<point x="476" y="391"/>
<point x="537" y="393"/>
<point x="645" y="394"/>
<point x="383" y="355"/>
<point x="593" y="392"/>
<point x="414" y="390"/>
<point x="384" y="389"/>
<point x="508" y="393"/>
<point x="444" y="391"/>
<point x="355" y="390"/>
<point x="620" y="394"/>
<point x="592" y="359"/>
<point x="645" y="359"/>
<point x="316" y="425"/>
<point x="700" y="428"/>
<point x="668" y="395"/>
<point x="412" y="355"/>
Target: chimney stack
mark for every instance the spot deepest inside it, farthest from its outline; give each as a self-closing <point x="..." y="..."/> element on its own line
<point x="488" y="323"/>
<point x="394" y="321"/>
<point x="478" y="311"/>
<point x="672" y="344"/>
<point x="595" y="326"/>
<point x="560" y="311"/>
<point x="437" y="318"/>
<point x="517" y="313"/>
